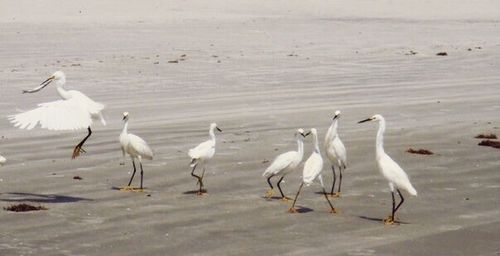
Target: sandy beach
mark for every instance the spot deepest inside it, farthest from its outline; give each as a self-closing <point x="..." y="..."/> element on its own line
<point x="260" y="69"/>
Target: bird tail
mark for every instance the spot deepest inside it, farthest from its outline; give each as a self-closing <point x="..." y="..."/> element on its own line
<point x="412" y="190"/>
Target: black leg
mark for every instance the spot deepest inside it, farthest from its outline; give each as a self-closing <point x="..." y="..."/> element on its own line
<point x="393" y="206"/>
<point x="142" y="172"/>
<point x="279" y="187"/>
<point x="340" y="179"/>
<point x="131" y="178"/>
<point x="197" y="177"/>
<point x="269" y="181"/>
<point x="292" y="209"/>
<point x="401" y="202"/>
<point x="334" y="179"/>
<point x="78" y="149"/>
<point x="332" y="209"/>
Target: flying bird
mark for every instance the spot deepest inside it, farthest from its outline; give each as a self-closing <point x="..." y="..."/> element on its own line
<point x="136" y="148"/>
<point x="75" y="111"/>
<point x="284" y="164"/>
<point x="392" y="172"/>
<point x="201" y="154"/>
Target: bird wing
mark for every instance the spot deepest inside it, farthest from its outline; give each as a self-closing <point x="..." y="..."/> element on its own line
<point x="340" y="151"/>
<point x="202" y="150"/>
<point x="395" y="174"/>
<point x="280" y="163"/>
<point x="94" y="108"/>
<point x="312" y="168"/>
<point x="140" y="146"/>
<point x="55" y="115"/>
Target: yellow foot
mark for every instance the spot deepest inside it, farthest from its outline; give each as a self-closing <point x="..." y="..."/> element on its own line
<point x="285" y="199"/>
<point x="77" y="151"/>
<point x="269" y="193"/>
<point x="336" y="194"/>
<point x="389" y="221"/>
<point x="131" y="189"/>
<point x="202" y="193"/>
<point x="292" y="210"/>
<point x="334" y="211"/>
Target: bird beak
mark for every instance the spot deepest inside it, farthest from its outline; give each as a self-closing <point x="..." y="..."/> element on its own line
<point x="305" y="135"/>
<point x="366" y="120"/>
<point x="218" y="129"/>
<point x="124" y="118"/>
<point x="42" y="85"/>
<point x="335" y="117"/>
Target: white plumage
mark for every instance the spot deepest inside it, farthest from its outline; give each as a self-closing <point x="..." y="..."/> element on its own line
<point x="312" y="171"/>
<point x="136" y="148"/>
<point x="392" y="172"/>
<point x="2" y="160"/>
<point x="202" y="153"/>
<point x="335" y="152"/>
<point x="76" y="111"/>
<point x="284" y="164"/>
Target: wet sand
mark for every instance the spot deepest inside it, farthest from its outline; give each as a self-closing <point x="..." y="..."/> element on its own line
<point x="260" y="71"/>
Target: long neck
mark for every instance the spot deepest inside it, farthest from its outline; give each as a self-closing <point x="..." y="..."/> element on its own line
<point x="62" y="92"/>
<point x="316" y="144"/>
<point x="300" y="145"/>
<point x="332" y="131"/>
<point x="125" y="128"/>
<point x="380" y="137"/>
<point x="212" y="134"/>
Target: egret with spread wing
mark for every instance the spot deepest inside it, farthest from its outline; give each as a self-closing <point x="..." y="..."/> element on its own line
<point x="75" y="111"/>
<point x="202" y="153"/>
<point x="391" y="171"/>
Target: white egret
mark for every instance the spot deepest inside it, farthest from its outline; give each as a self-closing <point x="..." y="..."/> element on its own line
<point x="335" y="151"/>
<point x="135" y="147"/>
<point x="2" y="160"/>
<point x="312" y="170"/>
<point x="391" y="171"/>
<point x="75" y="111"/>
<point x="202" y="153"/>
<point x="284" y="164"/>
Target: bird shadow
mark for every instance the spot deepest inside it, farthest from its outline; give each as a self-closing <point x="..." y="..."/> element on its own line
<point x="381" y="220"/>
<point x="301" y="209"/>
<point x="194" y="192"/>
<point x="40" y="198"/>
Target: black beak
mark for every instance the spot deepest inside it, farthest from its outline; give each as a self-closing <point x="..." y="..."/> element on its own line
<point x="335" y="117"/>
<point x="218" y="129"/>
<point x="125" y="117"/>
<point x="305" y="135"/>
<point x="366" y="120"/>
<point x="42" y="85"/>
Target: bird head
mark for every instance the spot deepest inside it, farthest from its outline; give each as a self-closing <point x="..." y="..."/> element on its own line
<point x="314" y="132"/>
<point x="125" y="116"/>
<point x="337" y="114"/>
<point x="373" y="118"/>
<point x="58" y="76"/>
<point x="300" y="132"/>
<point x="214" y="126"/>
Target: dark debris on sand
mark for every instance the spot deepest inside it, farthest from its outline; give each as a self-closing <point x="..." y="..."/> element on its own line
<point x="77" y="178"/>
<point x="24" y="208"/>
<point x="420" y="151"/>
<point x="486" y="136"/>
<point x="489" y="143"/>
<point x="442" y="54"/>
